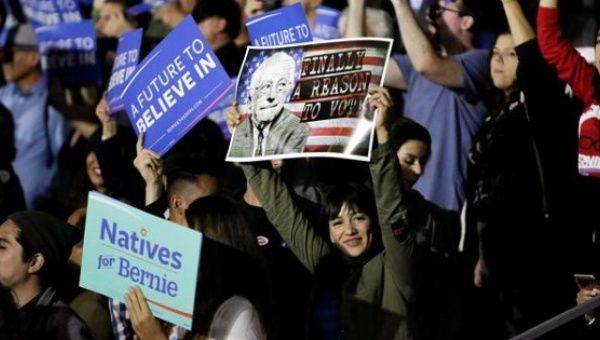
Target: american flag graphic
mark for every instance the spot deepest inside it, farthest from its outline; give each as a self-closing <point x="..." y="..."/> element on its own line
<point x="337" y="136"/>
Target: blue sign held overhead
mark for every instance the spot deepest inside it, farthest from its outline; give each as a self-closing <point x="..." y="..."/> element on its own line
<point x="326" y="24"/>
<point x="287" y="25"/>
<point x="128" y="53"/>
<point x="51" y="12"/>
<point x="174" y="87"/>
<point x="68" y="53"/>
<point x="146" y="6"/>
<point x="126" y="246"/>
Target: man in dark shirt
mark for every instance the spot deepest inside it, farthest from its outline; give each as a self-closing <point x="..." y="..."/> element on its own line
<point x="34" y="248"/>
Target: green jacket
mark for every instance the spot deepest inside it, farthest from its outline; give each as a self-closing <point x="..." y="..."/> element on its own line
<point x="377" y="297"/>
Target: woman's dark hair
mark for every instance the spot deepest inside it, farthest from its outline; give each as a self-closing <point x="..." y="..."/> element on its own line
<point x="230" y="262"/>
<point x="46" y="273"/>
<point x="221" y="219"/>
<point x="403" y="129"/>
<point x="353" y="194"/>
<point x="360" y="198"/>
<point x="493" y="98"/>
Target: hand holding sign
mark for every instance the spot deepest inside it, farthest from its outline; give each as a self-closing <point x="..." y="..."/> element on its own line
<point x="147" y="162"/>
<point x="381" y="101"/>
<point x="145" y="325"/>
<point x="234" y="117"/>
<point x="109" y="125"/>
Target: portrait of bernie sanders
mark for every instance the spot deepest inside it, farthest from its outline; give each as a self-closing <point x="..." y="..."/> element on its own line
<point x="270" y="128"/>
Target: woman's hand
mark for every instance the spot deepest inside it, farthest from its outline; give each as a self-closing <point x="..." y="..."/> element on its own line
<point x="584" y="295"/>
<point x="234" y="117"/>
<point x="109" y="125"/>
<point x="145" y="325"/>
<point x="147" y="162"/>
<point x="381" y="101"/>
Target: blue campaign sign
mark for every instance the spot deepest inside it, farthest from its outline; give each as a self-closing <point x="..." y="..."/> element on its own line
<point x="326" y="24"/>
<point x="51" y="12"/>
<point x="128" y="53"/>
<point x="124" y="246"/>
<point x="69" y="53"/>
<point x="146" y="6"/>
<point x="174" y="87"/>
<point x="287" y="25"/>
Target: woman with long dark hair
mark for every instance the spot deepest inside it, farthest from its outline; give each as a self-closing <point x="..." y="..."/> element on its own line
<point x="232" y="292"/>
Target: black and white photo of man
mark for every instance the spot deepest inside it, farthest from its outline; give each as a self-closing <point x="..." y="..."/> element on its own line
<point x="270" y="128"/>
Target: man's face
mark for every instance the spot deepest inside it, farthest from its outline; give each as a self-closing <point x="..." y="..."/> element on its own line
<point x="20" y="65"/>
<point x="447" y="20"/>
<point x="111" y="23"/>
<point x="13" y="270"/>
<point x="270" y="93"/>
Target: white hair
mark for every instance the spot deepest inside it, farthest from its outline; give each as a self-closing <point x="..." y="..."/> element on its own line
<point x="279" y="61"/>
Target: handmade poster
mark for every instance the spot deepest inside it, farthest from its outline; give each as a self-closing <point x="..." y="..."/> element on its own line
<point x="326" y="24"/>
<point x="175" y="86"/>
<point x="124" y="246"/>
<point x="287" y="25"/>
<point x="146" y="6"/>
<point x="51" y="12"/>
<point x="128" y="53"/>
<point x="68" y="53"/>
<point x="308" y="100"/>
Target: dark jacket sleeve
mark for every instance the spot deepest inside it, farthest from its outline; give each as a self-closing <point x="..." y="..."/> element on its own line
<point x="553" y="113"/>
<point x="392" y="211"/>
<point x="284" y="214"/>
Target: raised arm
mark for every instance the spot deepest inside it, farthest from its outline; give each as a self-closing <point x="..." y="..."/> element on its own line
<point x="425" y="59"/>
<point x="391" y="199"/>
<point x="283" y="213"/>
<point x="149" y="165"/>
<point x="558" y="52"/>
<point x="356" y="24"/>
<point x="279" y="205"/>
<point x="519" y="26"/>
<point x="549" y="3"/>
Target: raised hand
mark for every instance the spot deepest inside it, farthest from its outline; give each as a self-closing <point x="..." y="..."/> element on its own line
<point x="145" y="325"/>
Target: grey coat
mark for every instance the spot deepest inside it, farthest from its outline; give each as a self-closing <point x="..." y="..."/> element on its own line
<point x="287" y="135"/>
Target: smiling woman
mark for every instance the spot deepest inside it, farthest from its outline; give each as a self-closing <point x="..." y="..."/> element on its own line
<point x="364" y="262"/>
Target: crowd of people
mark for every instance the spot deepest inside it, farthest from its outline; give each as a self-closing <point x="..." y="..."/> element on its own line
<point x="469" y="222"/>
